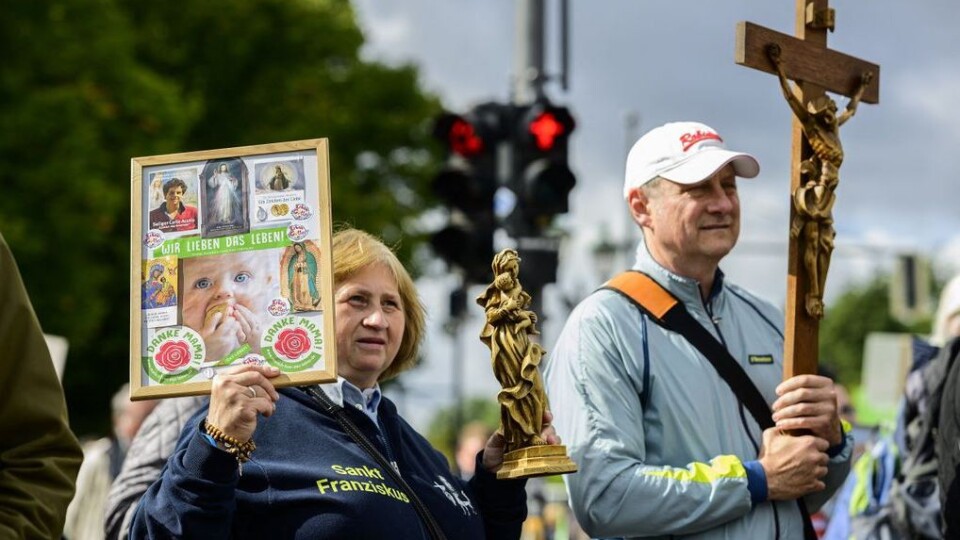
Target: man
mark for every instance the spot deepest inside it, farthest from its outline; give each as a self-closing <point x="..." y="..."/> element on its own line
<point x="173" y="215"/>
<point x="39" y="455"/>
<point x="663" y="445"/>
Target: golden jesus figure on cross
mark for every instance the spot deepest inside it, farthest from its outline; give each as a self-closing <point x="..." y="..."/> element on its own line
<point x="815" y="197"/>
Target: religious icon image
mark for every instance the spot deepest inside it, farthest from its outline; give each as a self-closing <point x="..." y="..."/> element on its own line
<point x="516" y="360"/>
<point x="176" y="193"/>
<point x="159" y="288"/>
<point x="278" y="176"/>
<point x="300" y="276"/>
<point x="813" y="200"/>
<point x="225" y="198"/>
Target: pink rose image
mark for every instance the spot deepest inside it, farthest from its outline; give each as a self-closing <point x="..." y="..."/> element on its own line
<point x="292" y="343"/>
<point x="173" y="355"/>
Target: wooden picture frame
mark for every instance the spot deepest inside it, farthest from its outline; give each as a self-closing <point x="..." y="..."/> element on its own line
<point x="230" y="264"/>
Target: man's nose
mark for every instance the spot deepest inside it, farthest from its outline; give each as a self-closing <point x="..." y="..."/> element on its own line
<point x="720" y="200"/>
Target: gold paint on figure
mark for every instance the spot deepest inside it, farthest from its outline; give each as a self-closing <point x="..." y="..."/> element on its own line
<point x="813" y="200"/>
<point x="515" y="359"/>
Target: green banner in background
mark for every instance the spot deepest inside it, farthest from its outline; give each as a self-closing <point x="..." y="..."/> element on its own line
<point x="194" y="246"/>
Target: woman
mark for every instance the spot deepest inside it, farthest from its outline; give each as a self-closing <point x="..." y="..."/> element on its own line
<point x="307" y="478"/>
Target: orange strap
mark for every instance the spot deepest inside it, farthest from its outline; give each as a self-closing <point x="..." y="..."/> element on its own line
<point x="643" y="290"/>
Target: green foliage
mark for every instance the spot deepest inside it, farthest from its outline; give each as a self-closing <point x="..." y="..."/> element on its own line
<point x="858" y="312"/>
<point x="443" y="429"/>
<point x="86" y="85"/>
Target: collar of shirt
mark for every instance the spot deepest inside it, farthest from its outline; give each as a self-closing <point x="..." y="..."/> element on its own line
<point x="346" y="394"/>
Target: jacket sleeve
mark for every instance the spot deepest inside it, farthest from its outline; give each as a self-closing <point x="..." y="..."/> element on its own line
<point x="195" y="496"/>
<point x="503" y="503"/>
<point x="837" y="470"/>
<point x="39" y="454"/>
<point x="594" y="385"/>
<point x="151" y="447"/>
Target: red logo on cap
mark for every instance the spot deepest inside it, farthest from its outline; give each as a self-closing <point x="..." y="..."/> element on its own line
<point x="690" y="139"/>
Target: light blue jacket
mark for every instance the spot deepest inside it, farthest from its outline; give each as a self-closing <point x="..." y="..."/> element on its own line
<point x="663" y="446"/>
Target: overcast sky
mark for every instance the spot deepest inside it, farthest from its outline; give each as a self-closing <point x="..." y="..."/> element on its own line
<point x="669" y="61"/>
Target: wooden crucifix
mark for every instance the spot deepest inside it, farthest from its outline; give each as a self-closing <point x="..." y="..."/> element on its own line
<point x="817" y="155"/>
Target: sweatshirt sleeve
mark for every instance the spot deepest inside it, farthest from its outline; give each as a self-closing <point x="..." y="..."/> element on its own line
<point x="594" y="391"/>
<point x="503" y="503"/>
<point x="195" y="495"/>
<point x="39" y="455"/>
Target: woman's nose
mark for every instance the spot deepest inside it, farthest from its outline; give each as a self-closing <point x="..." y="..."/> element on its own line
<point x="375" y="319"/>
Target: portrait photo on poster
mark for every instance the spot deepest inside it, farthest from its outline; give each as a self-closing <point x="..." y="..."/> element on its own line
<point x="172" y="199"/>
<point x="224" y="194"/>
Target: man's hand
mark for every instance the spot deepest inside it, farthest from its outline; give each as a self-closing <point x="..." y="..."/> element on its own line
<point x="794" y="465"/>
<point x="808" y="402"/>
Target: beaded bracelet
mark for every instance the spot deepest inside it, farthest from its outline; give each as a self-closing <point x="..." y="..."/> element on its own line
<point x="240" y="451"/>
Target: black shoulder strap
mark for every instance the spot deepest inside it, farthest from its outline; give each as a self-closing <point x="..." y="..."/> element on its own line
<point x="667" y="311"/>
<point x="331" y="408"/>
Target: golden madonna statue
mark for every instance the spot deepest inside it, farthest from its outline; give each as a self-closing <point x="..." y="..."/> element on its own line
<point x="515" y="362"/>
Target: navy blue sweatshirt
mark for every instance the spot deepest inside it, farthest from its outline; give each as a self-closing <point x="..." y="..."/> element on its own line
<point x="309" y="479"/>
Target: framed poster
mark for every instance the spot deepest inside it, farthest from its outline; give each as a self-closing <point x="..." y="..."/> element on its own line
<point x="230" y="265"/>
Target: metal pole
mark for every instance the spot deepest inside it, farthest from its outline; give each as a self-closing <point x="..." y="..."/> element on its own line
<point x="528" y="56"/>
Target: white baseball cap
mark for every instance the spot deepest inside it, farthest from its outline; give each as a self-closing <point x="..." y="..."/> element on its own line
<point x="682" y="152"/>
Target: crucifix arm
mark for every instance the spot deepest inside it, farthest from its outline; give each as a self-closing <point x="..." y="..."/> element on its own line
<point x="855" y="100"/>
<point x="773" y="52"/>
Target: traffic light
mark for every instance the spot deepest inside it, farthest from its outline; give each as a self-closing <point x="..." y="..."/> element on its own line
<point x="466" y="185"/>
<point x="542" y="178"/>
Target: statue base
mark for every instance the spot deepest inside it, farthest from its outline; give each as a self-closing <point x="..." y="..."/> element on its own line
<point x="546" y="460"/>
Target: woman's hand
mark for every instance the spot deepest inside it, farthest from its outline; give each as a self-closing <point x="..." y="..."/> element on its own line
<point x="493" y="451"/>
<point x="238" y="395"/>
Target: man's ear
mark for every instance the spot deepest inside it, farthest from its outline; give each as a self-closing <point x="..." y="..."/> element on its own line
<point x="639" y="204"/>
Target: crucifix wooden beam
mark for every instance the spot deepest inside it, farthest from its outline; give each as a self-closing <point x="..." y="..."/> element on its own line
<point x="816" y="155"/>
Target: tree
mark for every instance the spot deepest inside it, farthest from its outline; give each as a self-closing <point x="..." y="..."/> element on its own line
<point x="858" y="312"/>
<point x="93" y="83"/>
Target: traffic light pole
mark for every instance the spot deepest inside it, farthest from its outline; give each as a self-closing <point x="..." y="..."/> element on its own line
<point x="528" y="55"/>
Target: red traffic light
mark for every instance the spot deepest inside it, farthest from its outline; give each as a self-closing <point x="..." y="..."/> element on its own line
<point x="459" y="135"/>
<point x="463" y="139"/>
<point x="545" y="129"/>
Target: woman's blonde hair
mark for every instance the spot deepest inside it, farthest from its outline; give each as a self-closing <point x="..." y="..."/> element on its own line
<point x="355" y="250"/>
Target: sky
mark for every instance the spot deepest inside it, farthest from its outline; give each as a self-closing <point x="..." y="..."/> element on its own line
<point x="658" y="62"/>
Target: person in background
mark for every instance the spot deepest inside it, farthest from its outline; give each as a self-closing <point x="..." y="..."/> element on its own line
<point x="664" y="446"/>
<point x="148" y="453"/>
<point x="472" y="438"/>
<point x="253" y="465"/>
<point x="102" y="460"/>
<point x="39" y="455"/>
